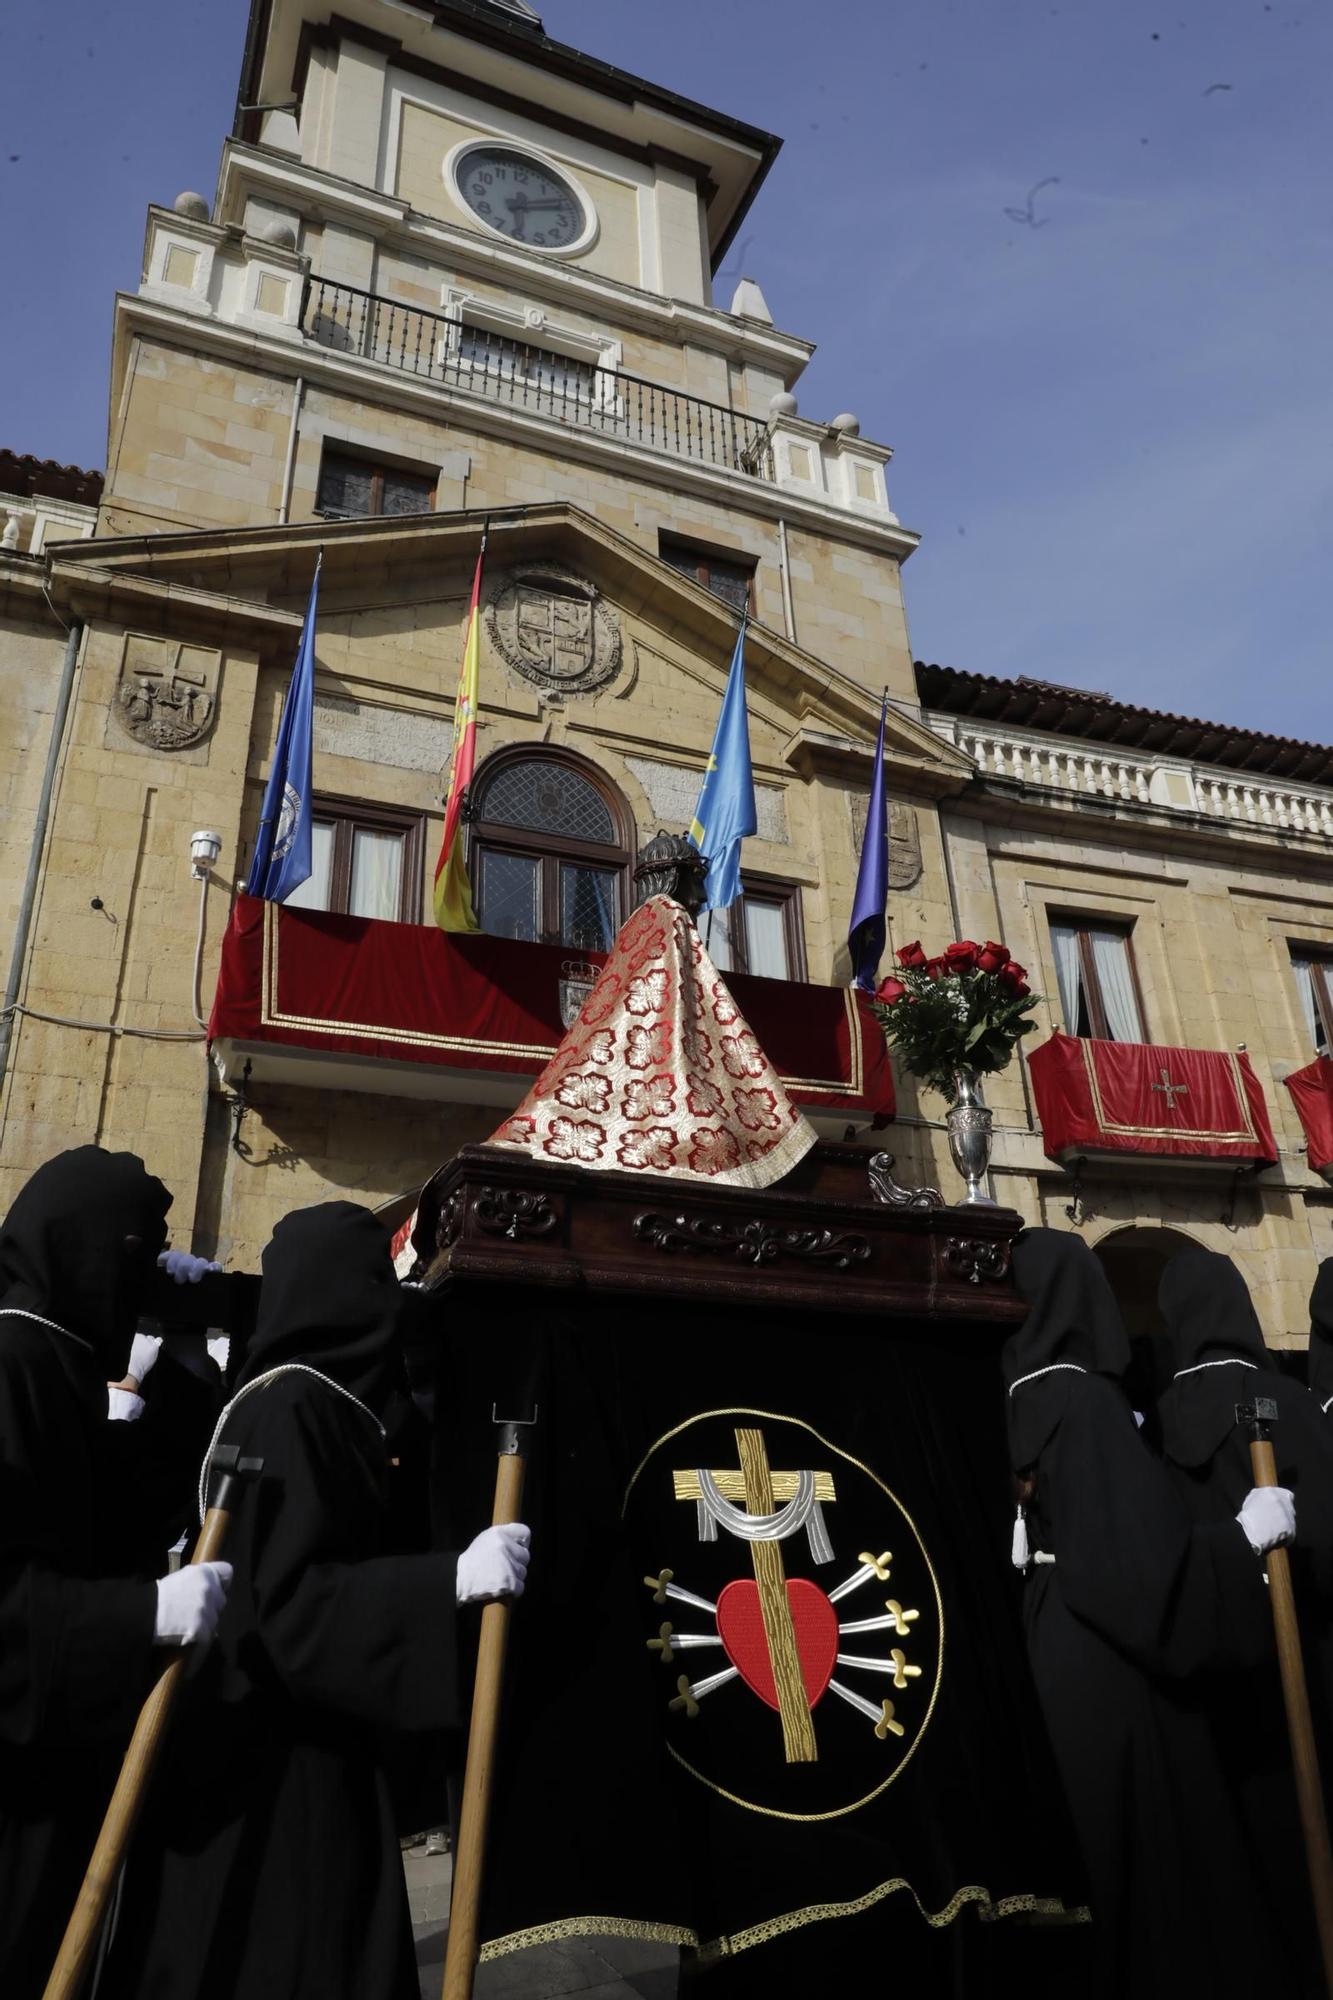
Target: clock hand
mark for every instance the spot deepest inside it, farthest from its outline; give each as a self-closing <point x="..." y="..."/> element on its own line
<point x="527" y="201"/>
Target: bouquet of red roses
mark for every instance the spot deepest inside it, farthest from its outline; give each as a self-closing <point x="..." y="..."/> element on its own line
<point x="965" y="1010"/>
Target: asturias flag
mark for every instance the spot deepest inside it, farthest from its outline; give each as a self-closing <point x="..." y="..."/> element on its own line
<point x="865" y="934"/>
<point x="453" y="891"/>
<point x="282" y="845"/>
<point x="725" y="814"/>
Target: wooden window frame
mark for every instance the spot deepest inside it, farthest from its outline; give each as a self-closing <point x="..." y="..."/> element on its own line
<point x="346" y="816"/>
<point x="1319" y="962"/>
<point x="550" y="849"/>
<point x="767" y="889"/>
<point x="733" y="558"/>
<point x="1123" y="927"/>
<point x="378" y="468"/>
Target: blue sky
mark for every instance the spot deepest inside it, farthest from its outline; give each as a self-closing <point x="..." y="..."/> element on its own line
<point x="1111" y="421"/>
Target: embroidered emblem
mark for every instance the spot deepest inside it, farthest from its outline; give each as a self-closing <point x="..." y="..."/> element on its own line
<point x="791" y="1644"/>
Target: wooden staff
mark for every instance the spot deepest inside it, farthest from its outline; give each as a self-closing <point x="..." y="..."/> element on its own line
<point x="460" y="1959"/>
<point x="1256" y="1417"/>
<point x="78" y="1948"/>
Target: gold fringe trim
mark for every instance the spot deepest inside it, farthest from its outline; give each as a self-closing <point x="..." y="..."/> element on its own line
<point x="989" y="1910"/>
<point x="570" y="1927"/>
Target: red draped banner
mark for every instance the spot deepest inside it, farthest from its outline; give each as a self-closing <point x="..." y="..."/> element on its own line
<point x="1132" y="1097"/>
<point x="1312" y="1092"/>
<point x="305" y="979"/>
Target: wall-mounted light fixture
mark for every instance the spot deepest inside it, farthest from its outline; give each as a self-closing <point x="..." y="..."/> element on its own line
<point x="205" y="848"/>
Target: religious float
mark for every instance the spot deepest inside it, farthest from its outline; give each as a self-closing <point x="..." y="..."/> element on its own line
<point x="769" y="1672"/>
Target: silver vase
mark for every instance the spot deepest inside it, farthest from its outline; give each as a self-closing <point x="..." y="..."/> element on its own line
<point x="968" y="1124"/>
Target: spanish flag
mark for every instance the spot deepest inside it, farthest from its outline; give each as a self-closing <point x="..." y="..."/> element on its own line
<point x="453" y="891"/>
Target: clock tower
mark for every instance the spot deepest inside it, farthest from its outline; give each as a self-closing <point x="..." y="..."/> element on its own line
<point x="453" y="261"/>
<point x="457" y="280"/>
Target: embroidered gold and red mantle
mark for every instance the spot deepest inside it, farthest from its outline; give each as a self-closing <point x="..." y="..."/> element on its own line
<point x="1312" y="1093"/>
<point x="661" y="1073"/>
<point x="1133" y="1097"/>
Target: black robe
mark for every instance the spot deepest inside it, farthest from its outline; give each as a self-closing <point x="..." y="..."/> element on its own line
<point x="1320" y="1360"/>
<point x="1220" y="1360"/>
<point x="268" y="1865"/>
<point x="76" y="1627"/>
<point x="1135" y="1603"/>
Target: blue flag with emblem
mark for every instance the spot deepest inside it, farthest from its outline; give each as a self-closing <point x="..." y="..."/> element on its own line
<point x="866" y="932"/>
<point x="282" y="845"/>
<point x="726" y="813"/>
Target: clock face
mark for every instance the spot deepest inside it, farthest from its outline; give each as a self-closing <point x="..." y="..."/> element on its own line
<point x="520" y="197"/>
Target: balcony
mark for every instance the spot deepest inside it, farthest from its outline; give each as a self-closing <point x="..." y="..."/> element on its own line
<point x="499" y="369"/>
<point x="1096" y="771"/>
<point x="1103" y="1103"/>
<point x="403" y="1010"/>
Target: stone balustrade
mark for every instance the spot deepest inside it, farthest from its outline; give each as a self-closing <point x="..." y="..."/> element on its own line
<point x="1066" y="764"/>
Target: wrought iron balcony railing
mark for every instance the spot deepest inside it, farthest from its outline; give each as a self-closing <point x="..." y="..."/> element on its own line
<point x="439" y="349"/>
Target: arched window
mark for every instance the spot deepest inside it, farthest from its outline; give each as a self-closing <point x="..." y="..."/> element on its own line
<point x="551" y="850"/>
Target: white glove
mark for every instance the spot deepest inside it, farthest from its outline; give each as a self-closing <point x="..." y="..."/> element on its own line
<point x="189" y="1604"/>
<point x="123" y="1406"/>
<point x="184" y="1268"/>
<point x="495" y="1565"/>
<point x="144" y="1352"/>
<point x="1268" y="1516"/>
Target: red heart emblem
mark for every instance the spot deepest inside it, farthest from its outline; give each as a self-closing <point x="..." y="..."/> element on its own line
<point x="740" y="1625"/>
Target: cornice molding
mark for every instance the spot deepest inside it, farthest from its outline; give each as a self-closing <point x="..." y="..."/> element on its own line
<point x="113" y="574"/>
<point x="368" y="382"/>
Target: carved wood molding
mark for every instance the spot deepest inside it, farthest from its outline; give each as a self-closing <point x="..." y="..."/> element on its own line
<point x="975" y="1258"/>
<point x="751" y="1241"/>
<point x="893" y="1193"/>
<point x="513" y="1213"/>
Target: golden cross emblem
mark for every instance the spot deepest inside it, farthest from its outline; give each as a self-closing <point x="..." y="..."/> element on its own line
<point x="1171" y="1091"/>
<point x="762" y="1489"/>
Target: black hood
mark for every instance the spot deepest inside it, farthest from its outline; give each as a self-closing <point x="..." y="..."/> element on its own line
<point x="330" y="1299"/>
<point x="1209" y="1318"/>
<point x="1321" y="1335"/>
<point x="63" y="1249"/>
<point x="1072" y="1318"/>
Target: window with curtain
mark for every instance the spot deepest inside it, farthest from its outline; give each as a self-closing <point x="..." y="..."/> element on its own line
<point x="352" y="489"/>
<point x="365" y="862"/>
<point x="729" y="577"/>
<point x="1314" y="983"/>
<point x="550" y="852"/>
<point x="1099" y="987"/>
<point x="760" y="933"/>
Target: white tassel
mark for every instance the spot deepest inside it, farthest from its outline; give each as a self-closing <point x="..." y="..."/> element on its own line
<point x="1020" y="1556"/>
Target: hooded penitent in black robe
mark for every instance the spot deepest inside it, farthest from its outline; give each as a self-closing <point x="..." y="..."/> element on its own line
<point x="76" y="1628"/>
<point x="1135" y="1603"/>
<point x="268" y="1865"/>
<point x="1219" y="1359"/>
<point x="1320" y="1361"/>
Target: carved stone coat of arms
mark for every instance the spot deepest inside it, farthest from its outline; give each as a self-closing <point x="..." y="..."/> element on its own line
<point x="555" y="629"/>
<point x="167" y="694"/>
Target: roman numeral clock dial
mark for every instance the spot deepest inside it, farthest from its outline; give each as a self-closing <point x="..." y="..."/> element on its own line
<point x="520" y="197"/>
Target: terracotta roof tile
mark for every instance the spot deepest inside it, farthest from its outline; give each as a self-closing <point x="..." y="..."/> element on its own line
<point x="22" y="473"/>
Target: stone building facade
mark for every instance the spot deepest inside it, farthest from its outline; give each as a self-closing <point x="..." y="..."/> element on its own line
<point x="456" y="275"/>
